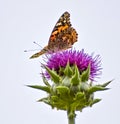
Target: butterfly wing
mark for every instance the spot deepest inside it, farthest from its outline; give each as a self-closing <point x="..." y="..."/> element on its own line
<point x="63" y="35"/>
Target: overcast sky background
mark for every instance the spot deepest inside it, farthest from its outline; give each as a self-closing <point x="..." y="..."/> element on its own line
<point x="24" y="21"/>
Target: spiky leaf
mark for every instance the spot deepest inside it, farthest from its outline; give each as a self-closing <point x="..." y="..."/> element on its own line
<point x="96" y="88"/>
<point x="94" y="101"/>
<point x="76" y="77"/>
<point x="68" y="71"/>
<point x="54" y="76"/>
<point x="106" y="84"/>
<point x="44" y="88"/>
<point x="85" y="74"/>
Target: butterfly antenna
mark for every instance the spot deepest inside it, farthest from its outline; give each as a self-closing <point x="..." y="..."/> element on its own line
<point x="37" y="44"/>
<point x="31" y="50"/>
<point x="34" y="49"/>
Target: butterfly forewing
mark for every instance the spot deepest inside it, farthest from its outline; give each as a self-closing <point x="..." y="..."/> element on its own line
<point x="63" y="21"/>
<point x="62" y="35"/>
<point x="62" y="24"/>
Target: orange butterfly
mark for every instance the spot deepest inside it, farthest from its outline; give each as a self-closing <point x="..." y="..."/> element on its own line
<point x="62" y="37"/>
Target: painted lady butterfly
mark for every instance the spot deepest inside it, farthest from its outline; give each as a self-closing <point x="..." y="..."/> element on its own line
<point x="62" y="37"/>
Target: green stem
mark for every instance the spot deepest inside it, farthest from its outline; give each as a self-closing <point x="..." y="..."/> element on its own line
<point x="71" y="117"/>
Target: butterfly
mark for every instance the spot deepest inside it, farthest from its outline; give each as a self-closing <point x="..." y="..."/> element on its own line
<point x="62" y="37"/>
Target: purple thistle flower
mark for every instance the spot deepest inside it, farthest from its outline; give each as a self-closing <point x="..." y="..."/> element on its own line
<point x="80" y="58"/>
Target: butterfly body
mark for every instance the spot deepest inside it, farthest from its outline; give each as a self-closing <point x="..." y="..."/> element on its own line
<point x="62" y="37"/>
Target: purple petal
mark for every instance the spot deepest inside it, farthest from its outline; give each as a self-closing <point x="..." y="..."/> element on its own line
<point x="80" y="58"/>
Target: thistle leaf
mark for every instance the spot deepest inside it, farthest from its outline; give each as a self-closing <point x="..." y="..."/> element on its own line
<point x="76" y="77"/>
<point x="94" y="101"/>
<point x="79" y="95"/>
<point x="105" y="84"/>
<point x="63" y="90"/>
<point x="96" y="88"/>
<point x="44" y="88"/>
<point x="45" y="81"/>
<point x="85" y="74"/>
<point x="54" y="76"/>
<point x="68" y="71"/>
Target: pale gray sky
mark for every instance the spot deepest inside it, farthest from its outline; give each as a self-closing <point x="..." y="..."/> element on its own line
<point x="24" y="21"/>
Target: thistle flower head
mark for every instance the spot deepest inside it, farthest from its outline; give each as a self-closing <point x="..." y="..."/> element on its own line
<point x="71" y="73"/>
<point x="81" y="59"/>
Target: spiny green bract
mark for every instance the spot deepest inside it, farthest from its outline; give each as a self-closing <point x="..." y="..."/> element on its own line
<point x="71" y="89"/>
